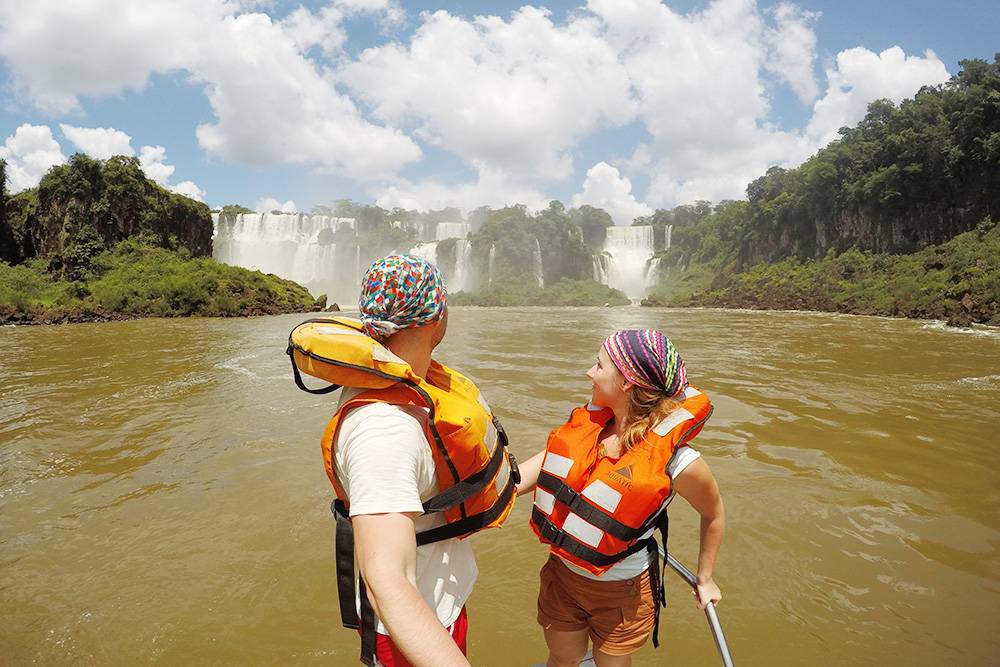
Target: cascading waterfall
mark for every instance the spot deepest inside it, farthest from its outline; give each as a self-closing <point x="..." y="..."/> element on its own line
<point x="290" y="245"/>
<point x="426" y="251"/>
<point x="601" y="268"/>
<point x="536" y="261"/>
<point x="461" y="281"/>
<point x="493" y="257"/>
<point x="451" y="230"/>
<point x="628" y="250"/>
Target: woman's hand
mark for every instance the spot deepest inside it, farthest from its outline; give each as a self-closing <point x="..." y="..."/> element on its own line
<point x="705" y="593"/>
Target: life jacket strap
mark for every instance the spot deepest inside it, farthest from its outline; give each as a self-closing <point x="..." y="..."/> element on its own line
<point x="298" y="377"/>
<point x="580" y="506"/>
<point x="474" y="522"/>
<point x="563" y="540"/>
<point x="473" y="484"/>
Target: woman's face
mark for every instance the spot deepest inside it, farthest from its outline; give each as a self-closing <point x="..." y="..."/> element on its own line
<point x="608" y="382"/>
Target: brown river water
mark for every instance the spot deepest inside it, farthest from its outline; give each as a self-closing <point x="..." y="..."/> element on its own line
<point x="162" y="498"/>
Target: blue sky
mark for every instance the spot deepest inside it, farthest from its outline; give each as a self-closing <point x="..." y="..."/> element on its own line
<point x="628" y="104"/>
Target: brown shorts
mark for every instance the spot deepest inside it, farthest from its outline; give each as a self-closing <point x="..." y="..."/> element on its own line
<point x="619" y="615"/>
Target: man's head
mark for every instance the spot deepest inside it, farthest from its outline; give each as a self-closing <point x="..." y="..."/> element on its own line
<point x="402" y="292"/>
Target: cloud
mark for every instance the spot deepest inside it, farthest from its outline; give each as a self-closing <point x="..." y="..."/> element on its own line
<point x="513" y="95"/>
<point x="189" y="189"/>
<point x="861" y="76"/>
<point x="268" y="204"/>
<point x="604" y="187"/>
<point x="30" y="152"/>
<point x="272" y="103"/>
<point x="151" y="159"/>
<point x="701" y="81"/>
<point x="792" y="49"/>
<point x="98" y="142"/>
<point x="493" y="187"/>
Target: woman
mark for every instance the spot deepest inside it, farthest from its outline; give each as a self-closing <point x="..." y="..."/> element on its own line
<point x="602" y="485"/>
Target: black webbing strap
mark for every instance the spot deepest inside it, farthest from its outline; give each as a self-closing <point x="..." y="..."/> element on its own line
<point x="560" y="538"/>
<point x="657" y="576"/>
<point x="369" y="638"/>
<point x="345" y="586"/>
<point x="472" y="484"/>
<point x="344" y="550"/>
<point x="582" y="507"/>
<point x="298" y="377"/>
<point x="474" y="522"/>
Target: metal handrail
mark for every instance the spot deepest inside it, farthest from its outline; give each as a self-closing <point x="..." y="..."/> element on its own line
<point x="710" y="613"/>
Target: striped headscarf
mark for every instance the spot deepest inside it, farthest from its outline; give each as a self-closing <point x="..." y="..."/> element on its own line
<point x="400" y="291"/>
<point x="648" y="359"/>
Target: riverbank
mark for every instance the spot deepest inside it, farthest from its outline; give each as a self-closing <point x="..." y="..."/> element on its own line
<point x="565" y="292"/>
<point x="136" y="280"/>
<point x="957" y="282"/>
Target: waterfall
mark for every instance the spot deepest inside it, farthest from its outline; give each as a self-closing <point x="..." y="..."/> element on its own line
<point x="493" y="257"/>
<point x="291" y="245"/>
<point x="463" y="267"/>
<point x="670" y="233"/>
<point x="536" y="257"/>
<point x="652" y="273"/>
<point x="601" y="268"/>
<point x="451" y="230"/>
<point x="427" y="251"/>
<point x="628" y="249"/>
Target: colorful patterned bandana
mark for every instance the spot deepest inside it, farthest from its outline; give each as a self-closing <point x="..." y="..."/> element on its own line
<point x="648" y="359"/>
<point x="400" y="291"/>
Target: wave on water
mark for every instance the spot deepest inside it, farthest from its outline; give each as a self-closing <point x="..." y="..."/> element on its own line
<point x="980" y="330"/>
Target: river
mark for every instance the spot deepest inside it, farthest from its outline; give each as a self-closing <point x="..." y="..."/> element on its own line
<point x="162" y="497"/>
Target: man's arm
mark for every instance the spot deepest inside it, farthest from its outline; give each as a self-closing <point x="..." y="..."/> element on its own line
<point x="387" y="554"/>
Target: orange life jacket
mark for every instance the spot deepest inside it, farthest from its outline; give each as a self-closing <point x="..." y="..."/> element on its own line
<point x="476" y="473"/>
<point x="592" y="511"/>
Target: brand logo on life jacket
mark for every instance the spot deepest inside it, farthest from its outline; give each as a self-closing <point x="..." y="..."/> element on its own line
<point x="623" y="476"/>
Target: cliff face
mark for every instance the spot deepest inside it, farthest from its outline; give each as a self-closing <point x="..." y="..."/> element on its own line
<point x="904" y="178"/>
<point x="90" y="205"/>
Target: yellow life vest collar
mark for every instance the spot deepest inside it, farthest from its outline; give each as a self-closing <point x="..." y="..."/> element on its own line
<point x="338" y="350"/>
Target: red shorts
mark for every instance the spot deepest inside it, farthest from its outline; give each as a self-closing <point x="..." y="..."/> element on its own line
<point x="390" y="656"/>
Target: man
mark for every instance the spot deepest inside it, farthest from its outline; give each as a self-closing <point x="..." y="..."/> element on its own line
<point x="386" y="450"/>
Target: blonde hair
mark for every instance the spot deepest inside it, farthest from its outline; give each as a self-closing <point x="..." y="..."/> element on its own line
<point x="647" y="408"/>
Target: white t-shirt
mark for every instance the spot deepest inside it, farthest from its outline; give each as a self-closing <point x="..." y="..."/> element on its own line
<point x="638" y="562"/>
<point x="382" y="459"/>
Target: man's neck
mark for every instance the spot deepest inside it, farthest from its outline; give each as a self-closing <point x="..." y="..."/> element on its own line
<point x="413" y="347"/>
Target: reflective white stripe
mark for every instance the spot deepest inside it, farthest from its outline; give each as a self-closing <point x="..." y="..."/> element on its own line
<point x="557" y="465"/>
<point x="337" y="331"/>
<point x="603" y="495"/>
<point x="482" y="402"/>
<point x="501" y="479"/>
<point x="676" y="417"/>
<point x="544" y="500"/>
<point x="593" y="408"/>
<point x="586" y="532"/>
<point x="491" y="437"/>
<point x="690" y="392"/>
<point x="380" y="353"/>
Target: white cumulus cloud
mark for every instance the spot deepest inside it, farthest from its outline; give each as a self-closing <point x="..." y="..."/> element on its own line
<point x="30" y="152"/>
<point x="152" y="160"/>
<point x="604" y="187"/>
<point x="98" y="142"/>
<point x="515" y="95"/>
<point x="268" y="204"/>
<point x="492" y="187"/>
<point x="189" y="189"/>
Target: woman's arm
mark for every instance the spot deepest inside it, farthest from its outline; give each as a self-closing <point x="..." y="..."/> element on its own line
<point x="697" y="485"/>
<point x="529" y="473"/>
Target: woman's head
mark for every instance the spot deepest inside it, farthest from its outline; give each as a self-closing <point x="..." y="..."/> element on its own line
<point x="646" y="381"/>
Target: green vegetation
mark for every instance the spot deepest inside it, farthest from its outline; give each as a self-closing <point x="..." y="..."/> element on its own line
<point x="97" y="240"/>
<point x="136" y="279"/>
<point x="880" y="221"/>
<point x="565" y="292"/>
<point x="958" y="281"/>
